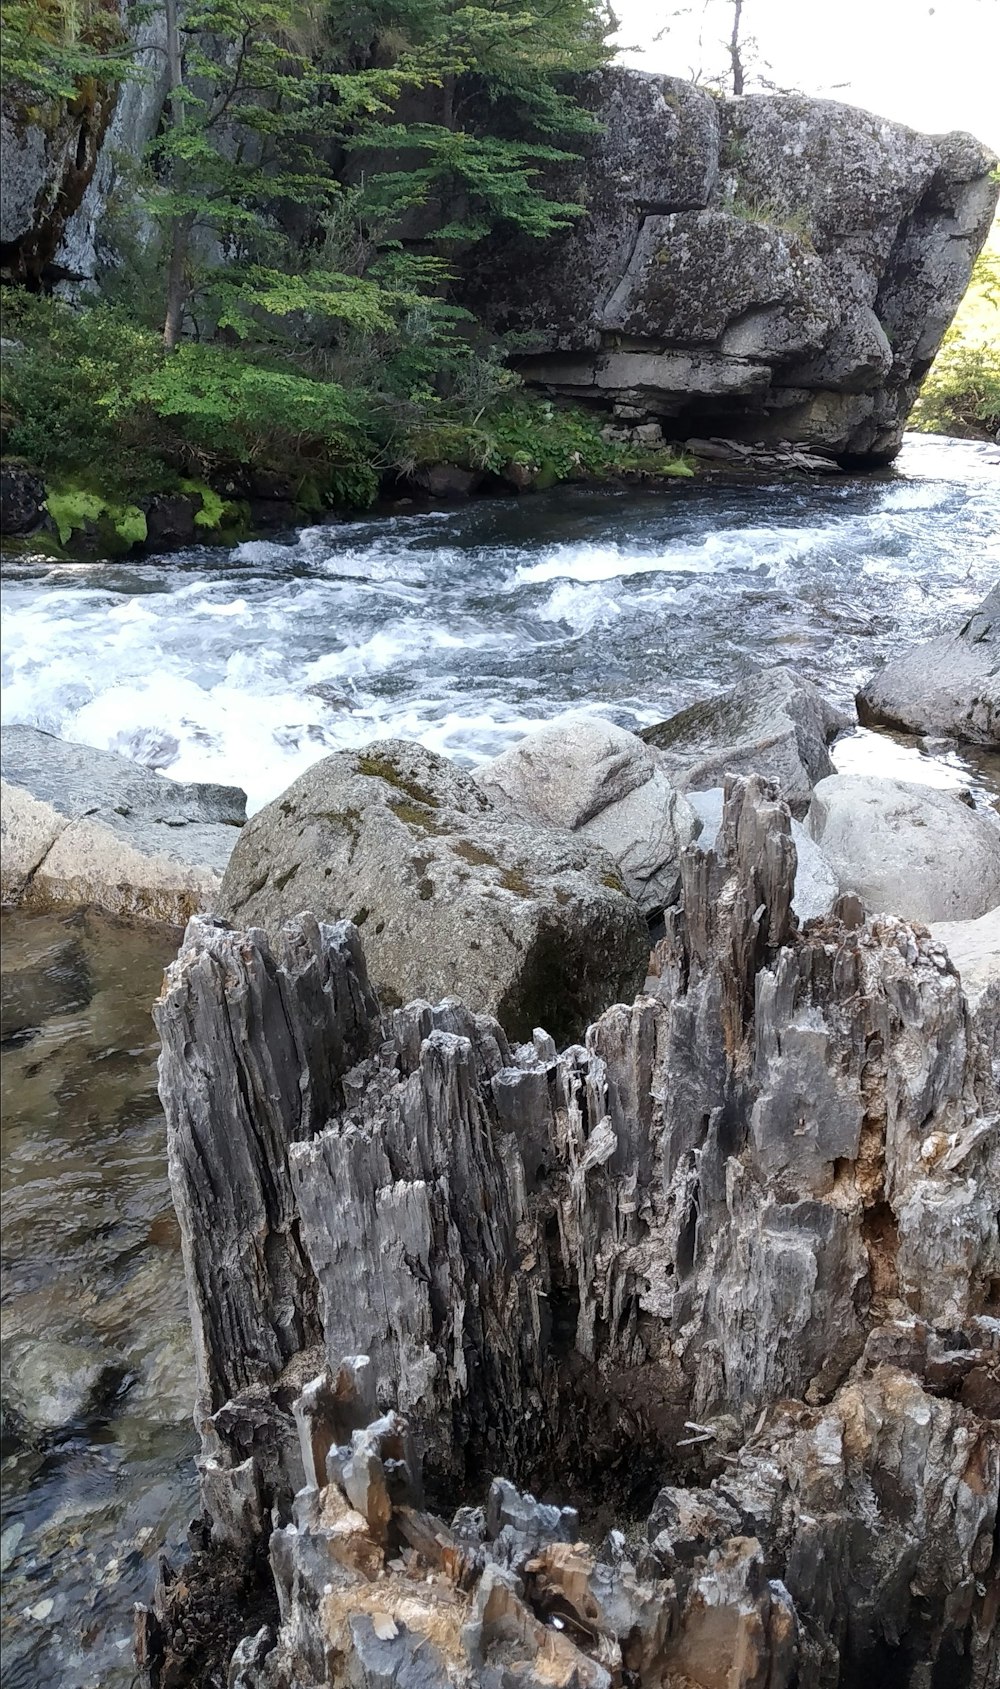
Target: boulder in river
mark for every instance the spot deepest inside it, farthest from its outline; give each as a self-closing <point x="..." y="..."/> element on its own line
<point x="775" y="723"/>
<point x="907" y="849"/>
<point x="775" y="268"/>
<point x="949" y="685"/>
<point x="595" y="779"/>
<point x="83" y="826"/>
<point x="453" y="894"/>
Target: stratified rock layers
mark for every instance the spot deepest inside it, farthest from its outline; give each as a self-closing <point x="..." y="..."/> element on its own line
<point x="737" y="1253"/>
<point x="769" y="268"/>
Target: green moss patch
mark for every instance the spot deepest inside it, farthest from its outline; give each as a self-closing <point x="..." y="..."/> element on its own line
<point x="75" y="509"/>
<point x="383" y="768"/>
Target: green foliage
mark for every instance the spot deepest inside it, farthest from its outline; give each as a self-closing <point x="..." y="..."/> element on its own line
<point x="53" y="48"/>
<point x="213" y="511"/>
<point x="74" y="507"/>
<point x="320" y="165"/>
<point x="90" y="388"/>
<point x="551" y="443"/>
<point x="961" y="392"/>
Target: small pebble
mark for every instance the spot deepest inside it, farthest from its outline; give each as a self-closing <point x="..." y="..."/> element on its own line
<point x="8" y="1543"/>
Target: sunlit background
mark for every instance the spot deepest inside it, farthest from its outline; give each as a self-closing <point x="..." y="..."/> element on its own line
<point x="934" y="66"/>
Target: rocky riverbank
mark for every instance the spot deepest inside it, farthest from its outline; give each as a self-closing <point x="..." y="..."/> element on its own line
<point x="705" y="1265"/>
<point x="39" y="515"/>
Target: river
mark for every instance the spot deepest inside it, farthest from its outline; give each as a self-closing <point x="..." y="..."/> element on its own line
<point x="463" y="628"/>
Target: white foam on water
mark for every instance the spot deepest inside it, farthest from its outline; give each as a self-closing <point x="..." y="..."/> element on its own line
<point x="581" y="608"/>
<point x="765" y="549"/>
<point x="403" y="642"/>
<point x="450" y="629"/>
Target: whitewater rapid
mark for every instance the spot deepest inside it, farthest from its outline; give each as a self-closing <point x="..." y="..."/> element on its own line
<point x="466" y="628"/>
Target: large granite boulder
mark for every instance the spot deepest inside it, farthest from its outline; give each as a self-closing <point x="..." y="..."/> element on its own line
<point x="454" y="895"/>
<point x="974" y="949"/>
<point x="906" y="849"/>
<point x="768" y="268"/>
<point x="775" y="724"/>
<point x="595" y="779"/>
<point x="949" y="685"/>
<point x="82" y="826"/>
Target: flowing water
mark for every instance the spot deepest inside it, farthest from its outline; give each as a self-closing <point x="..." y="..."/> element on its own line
<point x="464" y="629"/>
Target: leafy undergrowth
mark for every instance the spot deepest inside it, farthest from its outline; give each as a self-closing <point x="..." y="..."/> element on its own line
<point x="94" y="405"/>
<point x="961" y="393"/>
<point x="549" y="443"/>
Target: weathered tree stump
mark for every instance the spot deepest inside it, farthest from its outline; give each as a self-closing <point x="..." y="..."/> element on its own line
<point x="724" y="1279"/>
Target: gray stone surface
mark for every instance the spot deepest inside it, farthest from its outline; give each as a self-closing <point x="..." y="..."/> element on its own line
<point x="949" y="685"/>
<point x="974" y="949"/>
<point x="773" y="723"/>
<point x="906" y="849"/>
<point x="84" y="826"/>
<point x="783" y="267"/>
<point x="587" y="775"/>
<point x="453" y="894"/>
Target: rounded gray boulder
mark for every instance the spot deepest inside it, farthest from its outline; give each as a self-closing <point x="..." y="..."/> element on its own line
<point x="949" y="685"/>
<point x="597" y="780"/>
<point x="906" y="849"/>
<point x="453" y="894"/>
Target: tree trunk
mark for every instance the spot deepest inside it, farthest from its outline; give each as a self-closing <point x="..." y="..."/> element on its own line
<point x="736" y="48"/>
<point x="180" y="228"/>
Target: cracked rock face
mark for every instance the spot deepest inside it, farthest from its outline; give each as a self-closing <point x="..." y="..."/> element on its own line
<point x="772" y="268"/>
<point x="723" y="1277"/>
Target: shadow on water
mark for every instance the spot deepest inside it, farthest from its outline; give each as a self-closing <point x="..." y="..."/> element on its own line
<point x="97" y="1472"/>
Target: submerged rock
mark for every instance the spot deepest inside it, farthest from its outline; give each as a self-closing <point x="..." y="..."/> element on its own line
<point x="593" y="778"/>
<point x="56" y="981"/>
<point x="83" y="826"/>
<point x="949" y="685"/>
<point x="454" y="895"/>
<point x="907" y="849"/>
<point x="775" y="724"/>
<point x="52" y="1386"/>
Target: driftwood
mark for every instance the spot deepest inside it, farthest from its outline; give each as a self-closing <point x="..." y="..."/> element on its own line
<point x="720" y="1278"/>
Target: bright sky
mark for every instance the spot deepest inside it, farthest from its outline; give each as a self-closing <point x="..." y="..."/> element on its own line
<point x="934" y="64"/>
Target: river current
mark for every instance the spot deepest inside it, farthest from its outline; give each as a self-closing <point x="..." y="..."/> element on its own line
<point x="463" y="628"/>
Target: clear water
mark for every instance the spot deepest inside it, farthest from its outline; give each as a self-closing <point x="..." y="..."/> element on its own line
<point x="462" y="628"/>
<point x="465" y="628"/>
<point x="91" y="1268"/>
